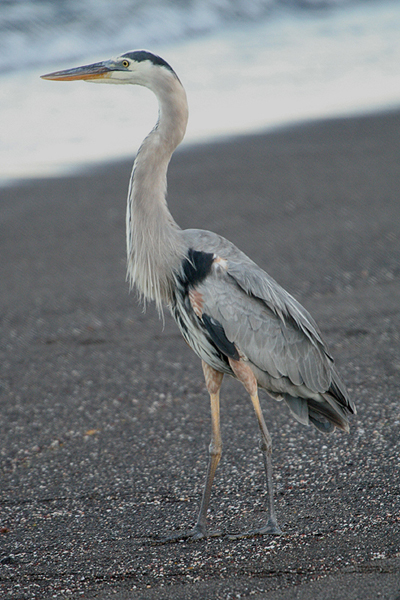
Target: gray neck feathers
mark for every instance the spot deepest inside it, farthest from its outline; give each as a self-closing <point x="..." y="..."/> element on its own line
<point x="154" y="244"/>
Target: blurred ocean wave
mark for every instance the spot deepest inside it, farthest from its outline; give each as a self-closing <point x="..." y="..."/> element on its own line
<point x="33" y="32"/>
<point x="247" y="66"/>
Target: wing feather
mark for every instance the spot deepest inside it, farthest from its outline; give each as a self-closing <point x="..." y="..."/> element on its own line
<point x="269" y="327"/>
<point x="271" y="342"/>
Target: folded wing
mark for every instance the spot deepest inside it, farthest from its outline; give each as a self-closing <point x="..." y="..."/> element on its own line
<point x="276" y="335"/>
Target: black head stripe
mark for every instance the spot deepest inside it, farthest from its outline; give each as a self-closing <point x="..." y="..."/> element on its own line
<point x="141" y="55"/>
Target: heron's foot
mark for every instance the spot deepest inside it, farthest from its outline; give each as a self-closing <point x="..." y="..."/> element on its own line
<point x="197" y="533"/>
<point x="271" y="528"/>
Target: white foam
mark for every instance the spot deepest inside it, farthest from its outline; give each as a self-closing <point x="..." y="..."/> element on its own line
<point x="245" y="79"/>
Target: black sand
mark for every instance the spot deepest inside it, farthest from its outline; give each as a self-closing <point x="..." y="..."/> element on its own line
<point x="105" y="417"/>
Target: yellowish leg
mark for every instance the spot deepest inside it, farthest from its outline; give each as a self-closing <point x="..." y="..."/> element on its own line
<point x="213" y="382"/>
<point x="244" y="374"/>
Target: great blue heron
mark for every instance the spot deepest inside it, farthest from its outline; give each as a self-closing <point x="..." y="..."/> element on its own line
<point x="234" y="316"/>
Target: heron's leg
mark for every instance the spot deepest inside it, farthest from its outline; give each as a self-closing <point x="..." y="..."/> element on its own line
<point x="213" y="382"/>
<point x="266" y="448"/>
<point x="246" y="376"/>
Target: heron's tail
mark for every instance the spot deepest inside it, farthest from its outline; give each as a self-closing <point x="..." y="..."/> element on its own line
<point x="326" y="411"/>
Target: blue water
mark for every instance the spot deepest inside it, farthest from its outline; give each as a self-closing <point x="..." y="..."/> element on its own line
<point x="33" y="32"/>
<point x="247" y="65"/>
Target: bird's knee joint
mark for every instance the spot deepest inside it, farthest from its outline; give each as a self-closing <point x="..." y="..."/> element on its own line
<point x="215" y="449"/>
<point x="245" y="375"/>
<point x="265" y="446"/>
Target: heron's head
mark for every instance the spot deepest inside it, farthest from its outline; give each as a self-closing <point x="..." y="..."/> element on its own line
<point x="138" y="67"/>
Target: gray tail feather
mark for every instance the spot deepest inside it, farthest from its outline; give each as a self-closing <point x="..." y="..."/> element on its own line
<point x="335" y="408"/>
<point x="321" y="424"/>
<point x="339" y="393"/>
<point x="335" y="415"/>
<point x="324" y="414"/>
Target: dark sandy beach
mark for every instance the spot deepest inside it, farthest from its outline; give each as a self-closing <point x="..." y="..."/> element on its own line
<point x="104" y="414"/>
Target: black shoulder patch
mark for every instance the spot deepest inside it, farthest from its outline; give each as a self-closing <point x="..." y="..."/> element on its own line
<point x="195" y="267"/>
<point x="217" y="334"/>
<point x="141" y="55"/>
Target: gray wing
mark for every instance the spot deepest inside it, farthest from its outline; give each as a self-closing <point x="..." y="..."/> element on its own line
<point x="271" y="340"/>
<point x="270" y="329"/>
<point x="253" y="280"/>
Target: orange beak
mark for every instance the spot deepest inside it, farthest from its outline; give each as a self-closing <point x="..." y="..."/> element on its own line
<point x="101" y="70"/>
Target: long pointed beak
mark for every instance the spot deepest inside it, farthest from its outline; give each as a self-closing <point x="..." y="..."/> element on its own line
<point x="101" y="70"/>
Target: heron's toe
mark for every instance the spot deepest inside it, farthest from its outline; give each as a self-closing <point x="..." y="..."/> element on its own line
<point x="197" y="533"/>
<point x="271" y="528"/>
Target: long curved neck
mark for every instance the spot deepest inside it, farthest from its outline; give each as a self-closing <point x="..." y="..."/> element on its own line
<point x="154" y="245"/>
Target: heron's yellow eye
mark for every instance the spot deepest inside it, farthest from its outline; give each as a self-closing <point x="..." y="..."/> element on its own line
<point x="125" y="63"/>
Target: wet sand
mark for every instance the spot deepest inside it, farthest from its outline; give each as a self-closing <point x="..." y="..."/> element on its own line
<point x="105" y="416"/>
